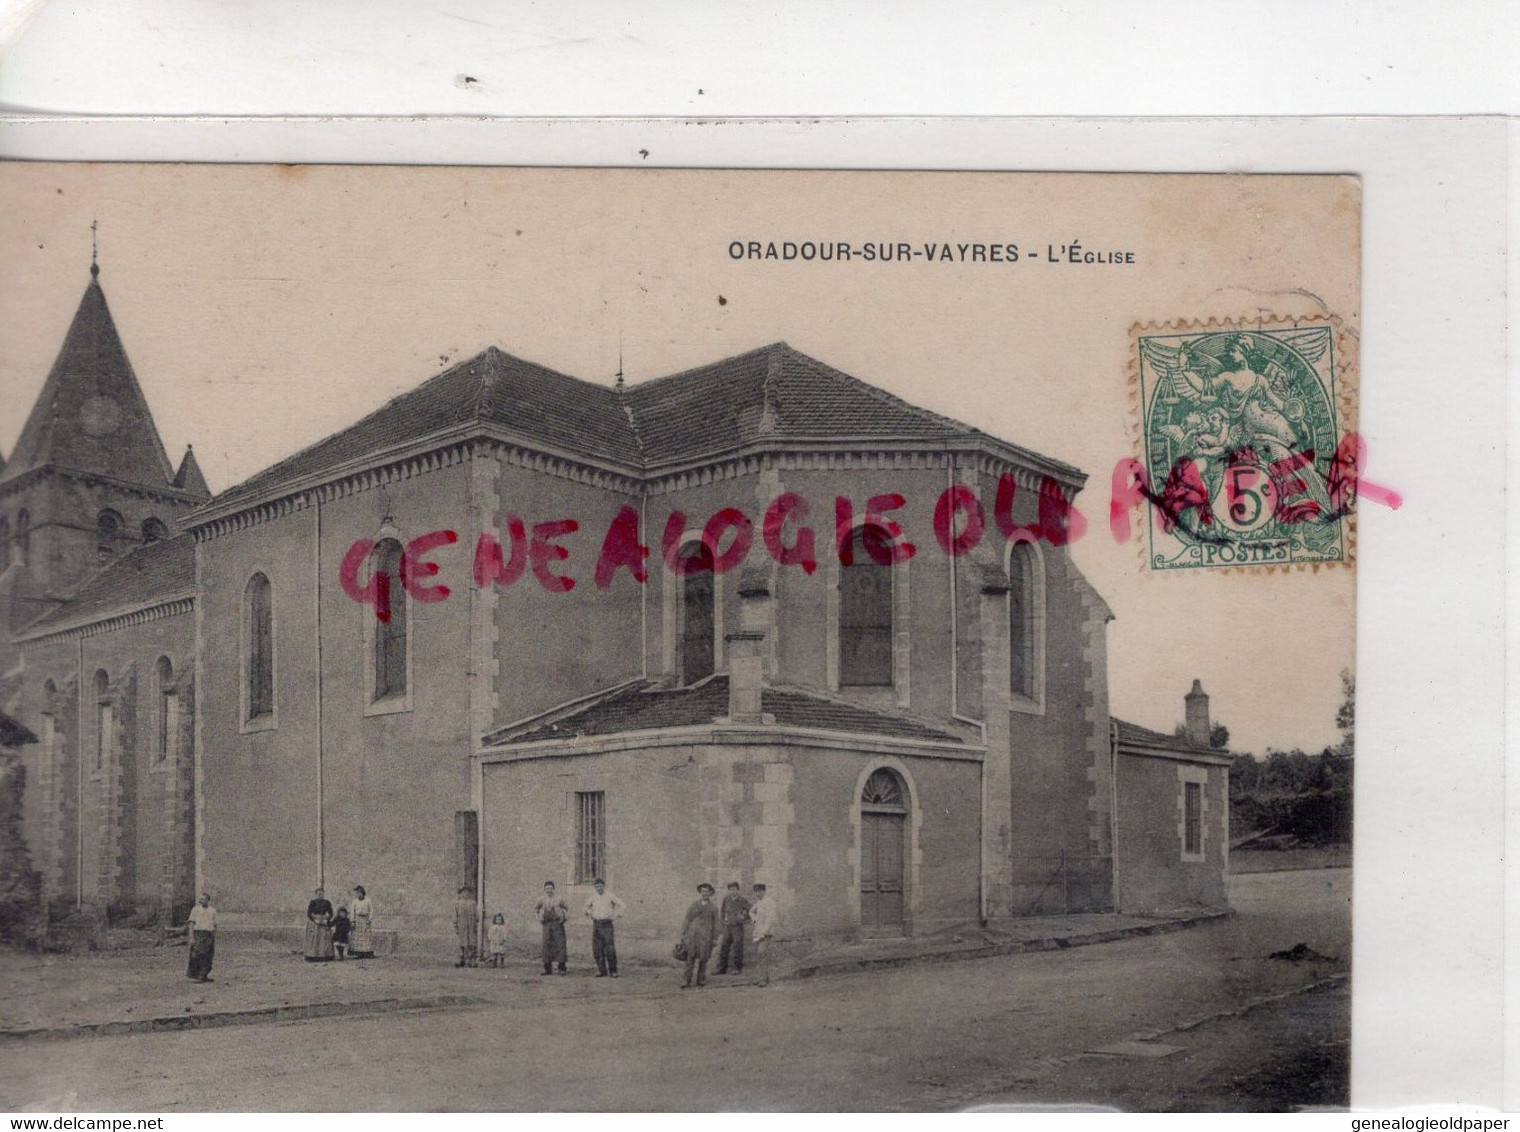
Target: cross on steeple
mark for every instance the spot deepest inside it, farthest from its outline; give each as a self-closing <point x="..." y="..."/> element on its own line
<point x="94" y="249"/>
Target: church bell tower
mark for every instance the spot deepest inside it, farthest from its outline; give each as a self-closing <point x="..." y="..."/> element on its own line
<point x="88" y="481"/>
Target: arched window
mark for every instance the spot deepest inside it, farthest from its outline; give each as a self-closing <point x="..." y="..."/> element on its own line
<point x="884" y="790"/>
<point x="1026" y="619"/>
<point x="153" y="530"/>
<point x="167" y="710"/>
<point x="865" y="624"/>
<point x="103" y="719"/>
<point x="108" y="527"/>
<point x="23" y="536"/>
<point x="699" y="593"/>
<point x="391" y="634"/>
<point x="260" y="647"/>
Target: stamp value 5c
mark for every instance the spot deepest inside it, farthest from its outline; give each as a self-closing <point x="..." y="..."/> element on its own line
<point x="1241" y="424"/>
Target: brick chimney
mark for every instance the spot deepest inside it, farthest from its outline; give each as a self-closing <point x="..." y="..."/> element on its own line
<point x="746" y="660"/>
<point x="1198" y="727"/>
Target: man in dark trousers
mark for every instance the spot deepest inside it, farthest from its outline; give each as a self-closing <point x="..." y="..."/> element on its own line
<point x="698" y="934"/>
<point x="551" y="912"/>
<point x="602" y="909"/>
<point x="735" y="920"/>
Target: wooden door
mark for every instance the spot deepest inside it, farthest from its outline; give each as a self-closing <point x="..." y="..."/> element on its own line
<point x="881" y="873"/>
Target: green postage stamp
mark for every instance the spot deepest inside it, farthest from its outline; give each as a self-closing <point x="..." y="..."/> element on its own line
<point x="1241" y="431"/>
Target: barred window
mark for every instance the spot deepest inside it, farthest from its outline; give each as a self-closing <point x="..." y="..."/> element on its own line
<point x="1192" y="818"/>
<point x="391" y="632"/>
<point x="260" y="646"/>
<point x="590" y="836"/>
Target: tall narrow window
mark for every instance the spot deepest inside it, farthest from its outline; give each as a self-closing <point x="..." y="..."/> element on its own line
<point x="1192" y="819"/>
<point x="102" y="719"/>
<point x="1023" y="622"/>
<point x="260" y="675"/>
<point x="698" y="615"/>
<point x="390" y="634"/>
<point x="865" y="624"/>
<point x="590" y="836"/>
<point x="166" y="716"/>
<point x="23" y="536"/>
<point x="5" y="544"/>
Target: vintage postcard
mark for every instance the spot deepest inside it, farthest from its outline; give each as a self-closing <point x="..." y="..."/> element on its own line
<point x="547" y="639"/>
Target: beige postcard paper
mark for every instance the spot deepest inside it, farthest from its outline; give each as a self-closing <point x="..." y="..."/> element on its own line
<point x="807" y="640"/>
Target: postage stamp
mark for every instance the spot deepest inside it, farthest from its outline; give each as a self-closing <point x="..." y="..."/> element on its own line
<point x="1248" y="452"/>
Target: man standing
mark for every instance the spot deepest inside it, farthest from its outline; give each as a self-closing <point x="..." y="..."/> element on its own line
<point x="602" y="909"/>
<point x="762" y="919"/>
<point x="735" y="918"/>
<point x="202" y="940"/>
<point x="698" y="934"/>
<point x="551" y="912"/>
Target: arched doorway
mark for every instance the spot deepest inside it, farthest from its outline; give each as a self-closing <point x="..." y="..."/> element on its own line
<point x="883" y="845"/>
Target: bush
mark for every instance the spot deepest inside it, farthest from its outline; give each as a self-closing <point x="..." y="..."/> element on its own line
<point x="20" y="884"/>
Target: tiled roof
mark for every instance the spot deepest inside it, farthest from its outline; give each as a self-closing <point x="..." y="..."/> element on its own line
<point x="1133" y="733"/>
<point x="643" y="707"/>
<point x="152" y="573"/>
<point x="13" y="733"/>
<point x="774" y="391"/>
<point x="91" y="415"/>
<point x="771" y="393"/>
<point x="491" y="388"/>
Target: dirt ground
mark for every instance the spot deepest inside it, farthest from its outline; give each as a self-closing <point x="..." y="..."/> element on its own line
<point x="1011" y="1029"/>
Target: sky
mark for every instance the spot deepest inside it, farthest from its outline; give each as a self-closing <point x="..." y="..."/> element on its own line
<point x="265" y="307"/>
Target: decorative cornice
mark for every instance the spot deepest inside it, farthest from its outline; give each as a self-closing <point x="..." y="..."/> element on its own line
<point x="144" y="491"/>
<point x="730" y="734"/>
<point x="449" y="447"/>
<point x="156" y="610"/>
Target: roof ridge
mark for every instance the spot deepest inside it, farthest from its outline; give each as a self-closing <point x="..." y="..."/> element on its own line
<point x="373" y="413"/>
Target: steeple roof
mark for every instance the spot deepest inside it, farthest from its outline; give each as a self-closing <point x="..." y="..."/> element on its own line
<point x="189" y="477"/>
<point x="91" y="415"/>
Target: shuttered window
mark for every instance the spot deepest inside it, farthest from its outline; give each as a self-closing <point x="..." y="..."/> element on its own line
<point x="590" y="836"/>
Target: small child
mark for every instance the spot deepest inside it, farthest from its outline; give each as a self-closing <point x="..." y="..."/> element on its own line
<point x="496" y="940"/>
<point x="341" y="928"/>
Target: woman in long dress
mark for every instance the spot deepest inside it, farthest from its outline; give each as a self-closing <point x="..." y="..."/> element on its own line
<point x="362" y="938"/>
<point x="319" y="936"/>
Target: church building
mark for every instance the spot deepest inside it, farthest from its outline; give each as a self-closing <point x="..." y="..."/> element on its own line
<point x="758" y="621"/>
